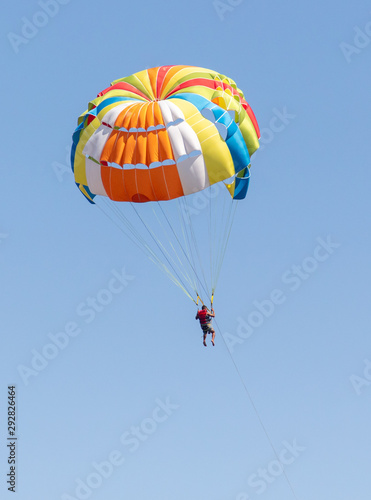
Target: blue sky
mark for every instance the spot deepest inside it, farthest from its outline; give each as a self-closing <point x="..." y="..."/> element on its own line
<point x="132" y="405"/>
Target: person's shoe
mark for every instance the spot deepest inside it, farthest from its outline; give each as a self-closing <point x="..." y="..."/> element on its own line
<point x="205" y="343"/>
<point x="213" y="342"/>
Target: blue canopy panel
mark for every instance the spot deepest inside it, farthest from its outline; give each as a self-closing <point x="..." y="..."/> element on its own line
<point x="241" y="184"/>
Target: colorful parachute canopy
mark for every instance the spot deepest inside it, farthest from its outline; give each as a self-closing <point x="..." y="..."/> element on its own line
<point x="178" y="133"/>
<point x="164" y="133"/>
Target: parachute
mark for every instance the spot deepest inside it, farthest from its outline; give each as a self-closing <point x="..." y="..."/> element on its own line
<point x="165" y="153"/>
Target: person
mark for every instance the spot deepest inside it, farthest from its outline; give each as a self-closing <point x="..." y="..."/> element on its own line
<point x="205" y="316"/>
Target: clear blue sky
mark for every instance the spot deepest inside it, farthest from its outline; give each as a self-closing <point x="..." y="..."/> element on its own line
<point x="135" y="386"/>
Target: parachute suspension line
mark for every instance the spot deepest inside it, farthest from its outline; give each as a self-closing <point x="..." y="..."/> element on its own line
<point x="174" y="276"/>
<point x="211" y="243"/>
<point x="219" y="231"/>
<point x="217" y="222"/>
<point x="180" y="265"/>
<point x="195" y="246"/>
<point x="155" y="258"/>
<point x="227" y="215"/>
<point x="135" y="236"/>
<point x="231" y="218"/>
<point x="139" y="241"/>
<point x="192" y="243"/>
<point x="176" y="236"/>
<point x="158" y="245"/>
<point x="142" y="247"/>
<point x="189" y="278"/>
<point x="216" y="240"/>
<point x="199" y="299"/>
<point x="256" y="412"/>
<point x="186" y="241"/>
<point x="176" y="282"/>
<point x="186" y="221"/>
<point x="202" y="265"/>
<point x="228" y="229"/>
<point x="188" y="229"/>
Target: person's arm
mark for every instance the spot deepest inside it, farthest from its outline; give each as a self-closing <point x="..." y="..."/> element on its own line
<point x="211" y="313"/>
<point x="196" y="315"/>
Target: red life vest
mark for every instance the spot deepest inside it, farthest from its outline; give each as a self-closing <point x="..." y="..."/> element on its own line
<point x="203" y="316"/>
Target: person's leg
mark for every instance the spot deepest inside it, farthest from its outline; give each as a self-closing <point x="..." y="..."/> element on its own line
<point x="213" y="337"/>
<point x="205" y="333"/>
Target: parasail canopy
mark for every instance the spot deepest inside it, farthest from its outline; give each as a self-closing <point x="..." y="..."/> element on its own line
<point x="165" y="134"/>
